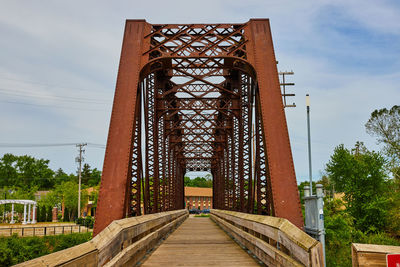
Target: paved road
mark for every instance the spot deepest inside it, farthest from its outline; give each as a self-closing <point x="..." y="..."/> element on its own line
<point x="199" y="242"/>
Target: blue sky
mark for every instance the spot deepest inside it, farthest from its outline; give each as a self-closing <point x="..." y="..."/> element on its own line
<point x="59" y="59"/>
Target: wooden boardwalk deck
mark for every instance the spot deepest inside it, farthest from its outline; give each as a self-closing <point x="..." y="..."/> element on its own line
<point x="199" y="242"/>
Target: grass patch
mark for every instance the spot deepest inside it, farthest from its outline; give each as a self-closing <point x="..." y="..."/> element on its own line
<point x="202" y="215"/>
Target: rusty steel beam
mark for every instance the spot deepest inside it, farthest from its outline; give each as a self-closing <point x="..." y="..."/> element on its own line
<point x="112" y="203"/>
<point x="285" y="197"/>
<point x="193" y="91"/>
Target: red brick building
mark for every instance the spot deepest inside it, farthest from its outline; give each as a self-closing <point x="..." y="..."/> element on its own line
<point x="198" y="197"/>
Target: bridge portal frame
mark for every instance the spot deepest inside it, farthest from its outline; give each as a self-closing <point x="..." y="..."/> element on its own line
<point x="274" y="188"/>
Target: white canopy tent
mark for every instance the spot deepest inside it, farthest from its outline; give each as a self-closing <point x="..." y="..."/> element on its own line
<point x="25" y="203"/>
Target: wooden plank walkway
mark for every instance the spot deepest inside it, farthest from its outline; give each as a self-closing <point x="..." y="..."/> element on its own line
<point x="199" y="242"/>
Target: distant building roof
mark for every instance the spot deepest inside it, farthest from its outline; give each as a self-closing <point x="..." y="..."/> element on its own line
<point x="198" y="191"/>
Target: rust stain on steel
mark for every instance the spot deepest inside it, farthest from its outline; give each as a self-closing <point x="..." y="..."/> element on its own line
<point x="184" y="102"/>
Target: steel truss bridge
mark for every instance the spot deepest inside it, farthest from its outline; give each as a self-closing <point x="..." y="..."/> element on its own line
<point x="192" y="97"/>
<point x="196" y="97"/>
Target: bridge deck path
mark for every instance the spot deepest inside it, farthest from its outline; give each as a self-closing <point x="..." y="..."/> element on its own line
<point x="199" y="242"/>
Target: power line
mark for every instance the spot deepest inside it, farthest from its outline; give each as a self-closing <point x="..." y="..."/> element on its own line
<point x="96" y="145"/>
<point x="43" y="178"/>
<point x="48" y="145"/>
<point x="35" y="145"/>
<point x="22" y="93"/>
<point x="44" y="84"/>
<point x="52" y="106"/>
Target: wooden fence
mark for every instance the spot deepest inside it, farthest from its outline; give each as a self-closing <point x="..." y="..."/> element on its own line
<point x="43" y="230"/>
<point x="371" y="255"/>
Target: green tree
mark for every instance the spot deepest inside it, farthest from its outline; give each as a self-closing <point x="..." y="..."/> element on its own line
<point x="198" y="182"/>
<point x="95" y="177"/>
<point x="340" y="232"/>
<point x="361" y="176"/>
<point x="385" y="125"/>
<point x="43" y="214"/>
<point x="187" y="181"/>
<point x="66" y="215"/>
<point x="25" y="171"/>
<point x="90" y="177"/>
<point x="68" y="193"/>
<point x="86" y="173"/>
<point x="60" y="176"/>
<point x="8" y="172"/>
<point x="49" y="215"/>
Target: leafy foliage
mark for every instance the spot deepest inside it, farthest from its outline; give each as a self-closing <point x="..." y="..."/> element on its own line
<point x="361" y="176"/>
<point x="28" y="172"/>
<point x="385" y="125"/>
<point x="341" y="232"/>
<point x="16" y="249"/>
<point x="198" y="182"/>
<point x="25" y="172"/>
<point x="90" y="177"/>
<point x="87" y="221"/>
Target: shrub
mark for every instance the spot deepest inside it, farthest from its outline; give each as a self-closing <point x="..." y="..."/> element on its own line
<point x="16" y="249"/>
<point x="88" y="221"/>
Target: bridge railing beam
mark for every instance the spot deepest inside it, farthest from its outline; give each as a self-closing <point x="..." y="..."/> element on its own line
<point x="275" y="241"/>
<point x="123" y="243"/>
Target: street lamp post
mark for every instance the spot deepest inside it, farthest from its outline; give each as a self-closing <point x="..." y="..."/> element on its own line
<point x="309" y="141"/>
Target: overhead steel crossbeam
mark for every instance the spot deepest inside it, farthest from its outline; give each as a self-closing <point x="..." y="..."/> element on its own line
<point x="197" y="97"/>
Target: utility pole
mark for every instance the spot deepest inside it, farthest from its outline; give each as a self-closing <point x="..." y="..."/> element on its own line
<point x="80" y="159"/>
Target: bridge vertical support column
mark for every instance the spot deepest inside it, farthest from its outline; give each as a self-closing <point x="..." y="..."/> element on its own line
<point x="112" y="203"/>
<point x="285" y="197"/>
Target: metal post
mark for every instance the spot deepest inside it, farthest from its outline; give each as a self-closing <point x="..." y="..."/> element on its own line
<point x="309" y="141"/>
<point x="320" y="207"/>
<point x="314" y="213"/>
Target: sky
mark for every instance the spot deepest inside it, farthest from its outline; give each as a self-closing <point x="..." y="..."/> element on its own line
<point x="59" y="62"/>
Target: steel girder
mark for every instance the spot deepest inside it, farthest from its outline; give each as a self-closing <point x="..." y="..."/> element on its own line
<point x="201" y="97"/>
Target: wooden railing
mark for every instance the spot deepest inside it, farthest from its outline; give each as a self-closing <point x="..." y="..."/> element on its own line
<point x="44" y="230"/>
<point x="371" y="255"/>
<point x="275" y="241"/>
<point x="123" y="242"/>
